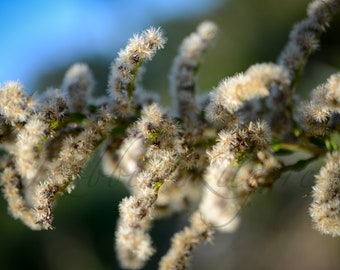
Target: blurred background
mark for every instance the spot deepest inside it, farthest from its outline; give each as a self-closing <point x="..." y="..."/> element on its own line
<point x="41" y="39"/>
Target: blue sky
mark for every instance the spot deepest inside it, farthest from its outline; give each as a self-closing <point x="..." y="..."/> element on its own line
<point x="36" y="35"/>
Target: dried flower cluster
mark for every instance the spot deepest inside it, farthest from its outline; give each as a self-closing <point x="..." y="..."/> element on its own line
<point x="207" y="158"/>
